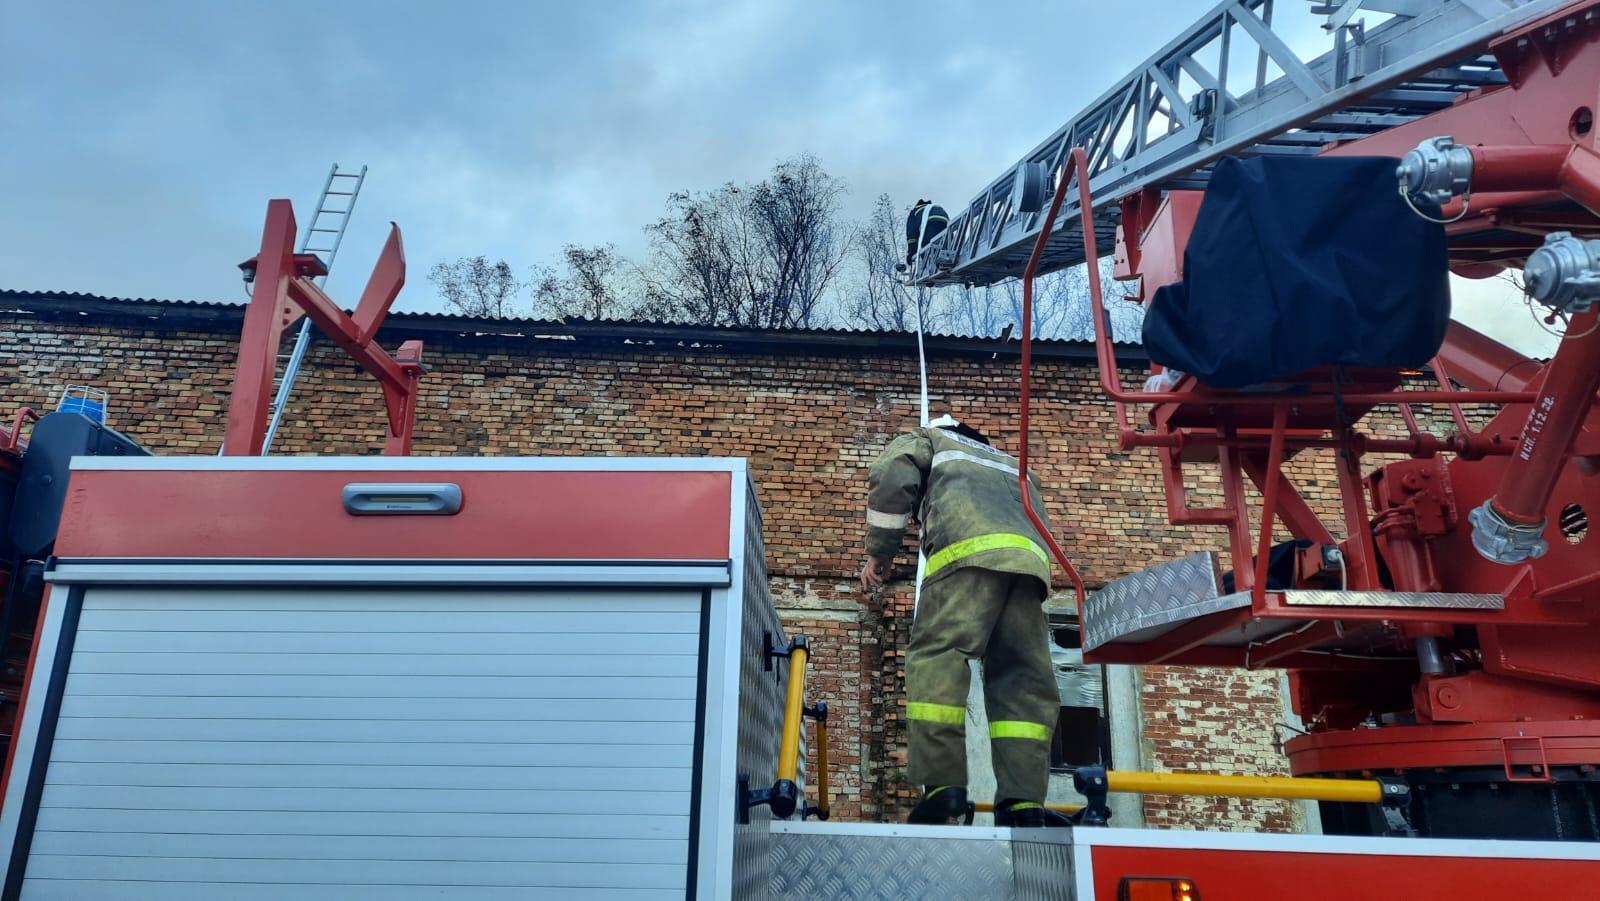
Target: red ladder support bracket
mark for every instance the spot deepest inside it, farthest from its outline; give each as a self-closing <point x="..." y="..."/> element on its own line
<point x="1533" y="743"/>
<point x="284" y="290"/>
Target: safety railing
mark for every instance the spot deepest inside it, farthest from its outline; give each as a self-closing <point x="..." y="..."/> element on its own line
<point x="785" y="797"/>
<point x="11" y="440"/>
<point x="1240" y="454"/>
<point x="1095" y="783"/>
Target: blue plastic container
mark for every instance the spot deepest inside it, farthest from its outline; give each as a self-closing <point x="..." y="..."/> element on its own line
<point x="88" y="406"/>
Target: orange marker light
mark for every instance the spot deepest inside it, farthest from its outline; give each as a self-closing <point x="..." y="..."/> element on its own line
<point x="1157" y="888"/>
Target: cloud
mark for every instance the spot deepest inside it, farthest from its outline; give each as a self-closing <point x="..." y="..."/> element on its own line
<point x="140" y="143"/>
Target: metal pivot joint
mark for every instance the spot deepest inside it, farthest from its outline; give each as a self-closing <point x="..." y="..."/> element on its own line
<point x="783" y="797"/>
<point x="771" y="652"/>
<point x="1501" y="540"/>
<point x="1437" y="170"/>
<point x="1564" y="274"/>
<point x="1093" y="783"/>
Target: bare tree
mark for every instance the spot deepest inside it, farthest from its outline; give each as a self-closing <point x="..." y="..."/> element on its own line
<point x="760" y="255"/>
<point x="878" y="298"/>
<point x="593" y="283"/>
<point x="474" y="286"/>
<point x="1061" y="307"/>
<point x="1076" y="322"/>
<point x="982" y="311"/>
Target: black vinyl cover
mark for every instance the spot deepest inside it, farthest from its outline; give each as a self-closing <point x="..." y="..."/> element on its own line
<point x="1299" y="263"/>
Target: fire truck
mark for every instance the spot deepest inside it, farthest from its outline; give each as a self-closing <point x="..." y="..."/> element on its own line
<point x="400" y="677"/>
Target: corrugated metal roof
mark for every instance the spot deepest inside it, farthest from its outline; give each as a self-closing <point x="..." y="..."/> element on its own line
<point x="626" y="330"/>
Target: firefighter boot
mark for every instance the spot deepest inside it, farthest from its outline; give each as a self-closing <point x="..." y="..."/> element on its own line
<point x="1027" y="815"/>
<point x="943" y="805"/>
<point x="1019" y="814"/>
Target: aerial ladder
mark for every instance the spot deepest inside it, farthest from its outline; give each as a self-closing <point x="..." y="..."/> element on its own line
<point x="1431" y="626"/>
<point x="323" y="236"/>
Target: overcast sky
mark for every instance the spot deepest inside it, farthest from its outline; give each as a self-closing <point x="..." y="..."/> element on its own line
<point x="139" y="142"/>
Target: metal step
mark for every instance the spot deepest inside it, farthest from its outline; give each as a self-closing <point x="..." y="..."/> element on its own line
<point x="1142" y="607"/>
<point x="822" y="861"/>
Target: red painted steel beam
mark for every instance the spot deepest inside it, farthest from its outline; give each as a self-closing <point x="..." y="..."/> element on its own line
<point x="1024" y="488"/>
<point x="1269" y="504"/>
<point x="1280" y="647"/>
<point x="1566" y="395"/>
<point x="283" y="291"/>
<point x="1296" y="514"/>
<point x="383" y="286"/>
<point x="1530" y="614"/>
<point x="1175" y="645"/>
<point x="251" y="400"/>
<point x="1234" y="657"/>
<point x="11" y="440"/>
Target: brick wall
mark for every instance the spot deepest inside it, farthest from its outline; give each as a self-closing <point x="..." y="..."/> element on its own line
<point x="810" y="420"/>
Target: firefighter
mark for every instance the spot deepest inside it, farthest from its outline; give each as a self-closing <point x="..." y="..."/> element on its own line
<point x="983" y="589"/>
<point x="926" y="221"/>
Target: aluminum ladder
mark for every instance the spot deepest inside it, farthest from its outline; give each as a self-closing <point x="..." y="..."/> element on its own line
<point x="324" y="234"/>
<point x="1166" y="123"/>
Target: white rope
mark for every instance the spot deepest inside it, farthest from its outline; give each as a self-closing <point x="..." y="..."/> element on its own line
<point x="922" y="372"/>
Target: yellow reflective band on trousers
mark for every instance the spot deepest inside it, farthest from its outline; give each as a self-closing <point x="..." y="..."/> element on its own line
<point x="1019" y="729"/>
<point x="980" y="543"/>
<point x="936" y="713"/>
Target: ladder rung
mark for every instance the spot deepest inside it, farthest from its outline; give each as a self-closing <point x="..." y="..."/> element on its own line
<point x="342" y="193"/>
<point x="330" y="230"/>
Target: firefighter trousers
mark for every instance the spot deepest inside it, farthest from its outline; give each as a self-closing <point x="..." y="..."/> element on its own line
<point x="998" y="618"/>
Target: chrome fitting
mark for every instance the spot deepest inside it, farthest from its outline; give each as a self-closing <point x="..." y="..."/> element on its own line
<point x="1564" y="274"/>
<point x="1437" y="170"/>
<point x="1502" y="541"/>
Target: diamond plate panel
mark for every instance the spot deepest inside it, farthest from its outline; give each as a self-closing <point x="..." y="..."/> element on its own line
<point x="1043" y="870"/>
<point x="822" y="867"/>
<point x="1160" y="596"/>
<point x="1417" y="599"/>
<point x="761" y="696"/>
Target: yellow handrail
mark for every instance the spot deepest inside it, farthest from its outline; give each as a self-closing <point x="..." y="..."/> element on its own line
<point x="784" y="796"/>
<point x="793" y="710"/>
<point x="988" y="807"/>
<point x="1357" y="791"/>
<point x="822" y="764"/>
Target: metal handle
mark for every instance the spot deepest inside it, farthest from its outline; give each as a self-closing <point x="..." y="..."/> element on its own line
<point x="401" y="499"/>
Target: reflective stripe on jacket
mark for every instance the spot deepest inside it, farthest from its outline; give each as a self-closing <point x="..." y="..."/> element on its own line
<point x="965" y="494"/>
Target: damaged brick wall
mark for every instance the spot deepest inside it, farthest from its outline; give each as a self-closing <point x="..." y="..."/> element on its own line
<point x="810" y="420"/>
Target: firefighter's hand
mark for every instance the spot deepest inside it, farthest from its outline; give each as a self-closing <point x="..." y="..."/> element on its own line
<point x="873" y="574"/>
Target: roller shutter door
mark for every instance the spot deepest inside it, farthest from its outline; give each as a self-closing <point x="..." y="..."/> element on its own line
<point x="348" y="744"/>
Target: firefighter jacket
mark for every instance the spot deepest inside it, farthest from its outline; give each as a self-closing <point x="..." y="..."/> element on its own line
<point x="965" y="495"/>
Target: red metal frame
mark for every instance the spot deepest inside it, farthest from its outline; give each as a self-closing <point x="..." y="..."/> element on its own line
<point x="11" y="439"/>
<point x="1232" y="443"/>
<point x="1245" y="867"/>
<point x="549" y="514"/>
<point x="1023" y="487"/>
<point x="1529" y="664"/>
<point x="284" y="291"/>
